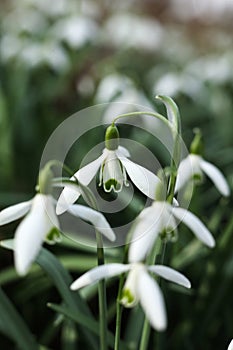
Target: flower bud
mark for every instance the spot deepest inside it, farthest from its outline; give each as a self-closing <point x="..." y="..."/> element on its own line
<point x="197" y="146"/>
<point x="112" y="138"/>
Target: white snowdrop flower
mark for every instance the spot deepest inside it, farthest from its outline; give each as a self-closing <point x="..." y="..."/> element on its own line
<point x="113" y="165"/>
<point x="139" y="287"/>
<point x="39" y="224"/>
<point x="194" y="166"/>
<point x="161" y="218"/>
<point x="230" y="347"/>
<point x="75" y="31"/>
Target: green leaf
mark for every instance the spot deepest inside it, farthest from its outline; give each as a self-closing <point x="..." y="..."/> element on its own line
<point x="13" y="325"/>
<point x="172" y="111"/>
<point x="62" y="281"/>
<point x="92" y="325"/>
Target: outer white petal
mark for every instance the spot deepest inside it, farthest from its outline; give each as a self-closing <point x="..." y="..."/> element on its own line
<point x="170" y="275"/>
<point x="230" y="347"/>
<point x="95" y="217"/>
<point x="184" y="173"/>
<point x="67" y="197"/>
<point x="14" y="212"/>
<point x="143" y="179"/>
<point x="216" y="176"/>
<point x="152" y="301"/>
<point x="122" y="151"/>
<point x="145" y="232"/>
<point x="98" y="273"/>
<point x="87" y="173"/>
<point x="195" y="225"/>
<point x="30" y="233"/>
<point x="84" y="175"/>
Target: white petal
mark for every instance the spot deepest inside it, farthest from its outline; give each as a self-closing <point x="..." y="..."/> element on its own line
<point x="152" y="301"/>
<point x="96" y="218"/>
<point x="7" y="244"/>
<point x="216" y="176"/>
<point x="230" y="347"/>
<point x="87" y="173"/>
<point x="145" y="232"/>
<point x="122" y="151"/>
<point x="84" y="175"/>
<point x="184" y="173"/>
<point x="98" y="273"/>
<point x="170" y="275"/>
<point x="143" y="179"/>
<point x="113" y="177"/>
<point x="14" y="212"/>
<point x="67" y="197"/>
<point x="195" y="225"/>
<point x="31" y="232"/>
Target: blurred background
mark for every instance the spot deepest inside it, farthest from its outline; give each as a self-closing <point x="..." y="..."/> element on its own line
<point x="59" y="57"/>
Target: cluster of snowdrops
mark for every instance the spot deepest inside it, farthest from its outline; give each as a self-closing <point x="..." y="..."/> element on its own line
<point x="156" y="222"/>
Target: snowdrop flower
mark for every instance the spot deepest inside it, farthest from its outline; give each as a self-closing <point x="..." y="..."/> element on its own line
<point x="193" y="166"/>
<point x="41" y="223"/>
<point x="139" y="287"/>
<point x="113" y="165"/>
<point x="230" y="347"/>
<point x="161" y="218"/>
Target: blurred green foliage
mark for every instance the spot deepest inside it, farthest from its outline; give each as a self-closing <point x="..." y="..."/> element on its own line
<point x="58" y="59"/>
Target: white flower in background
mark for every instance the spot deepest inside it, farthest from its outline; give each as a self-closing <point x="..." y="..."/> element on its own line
<point x="230" y="347"/>
<point x="161" y="218"/>
<point x="148" y="34"/>
<point x="194" y="166"/>
<point x="113" y="165"/>
<point x="41" y="224"/>
<point x="121" y="90"/>
<point x="38" y="224"/>
<point x="76" y="31"/>
<point x="139" y="287"/>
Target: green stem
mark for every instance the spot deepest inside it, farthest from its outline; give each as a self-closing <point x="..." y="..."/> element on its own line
<point x="102" y="295"/>
<point x="119" y="307"/>
<point x="153" y="114"/>
<point x="91" y="201"/>
<point x="57" y="163"/>
<point x="118" y="314"/>
<point x="174" y="166"/>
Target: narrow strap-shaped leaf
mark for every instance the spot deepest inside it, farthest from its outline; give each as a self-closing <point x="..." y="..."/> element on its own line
<point x="14" y="325"/>
<point x="62" y="281"/>
<point x="172" y="111"/>
<point x="83" y="320"/>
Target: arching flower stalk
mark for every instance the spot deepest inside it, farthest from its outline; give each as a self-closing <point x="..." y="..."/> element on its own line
<point x="114" y="166"/>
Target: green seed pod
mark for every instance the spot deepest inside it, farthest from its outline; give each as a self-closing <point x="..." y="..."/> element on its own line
<point x="112" y="138"/>
<point x="45" y="180"/>
<point x="197" y="146"/>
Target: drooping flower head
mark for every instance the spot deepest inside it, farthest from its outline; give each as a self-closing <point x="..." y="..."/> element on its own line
<point x="194" y="166"/>
<point x="114" y="166"/>
<point x="41" y="223"/>
<point x="140" y="287"/>
<point x="163" y="218"/>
